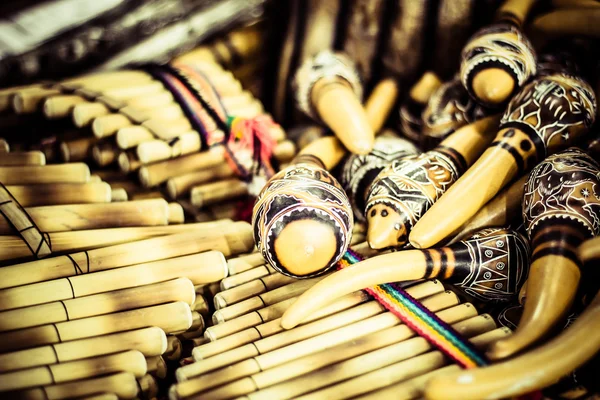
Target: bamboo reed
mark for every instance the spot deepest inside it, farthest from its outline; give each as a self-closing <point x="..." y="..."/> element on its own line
<point x="173" y="352"/>
<point x="200" y="268"/>
<point x="244" y="263"/>
<point x="128" y="162"/>
<point x="77" y="149"/>
<point x="217" y="192"/>
<point x="148" y="341"/>
<point x="33" y="175"/>
<point x="157" y="366"/>
<point x="120" y="195"/>
<point x="130" y="361"/>
<point x="171" y="317"/>
<point x="13" y="247"/>
<point x="180" y="185"/>
<point x="32" y="158"/>
<point x="61" y="193"/>
<point x="180" y="289"/>
<point x="105" y="153"/>
<point x="250" y="289"/>
<point x="200" y="305"/>
<point x="247" y="276"/>
<point x="234" y="238"/>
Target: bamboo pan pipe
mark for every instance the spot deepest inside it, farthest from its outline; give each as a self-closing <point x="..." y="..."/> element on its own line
<point x="499" y="211"/>
<point x="182" y="184"/>
<point x="33" y="175"/>
<point x="154" y="174"/>
<point x="248" y="276"/>
<point x="60" y="193"/>
<point x="365" y="357"/>
<point x="392" y="210"/>
<point x="232" y="239"/>
<point x="519" y="144"/>
<point x="253" y="288"/>
<point x="344" y="311"/>
<point x="148" y="341"/>
<point x="122" y="384"/>
<point x="351" y="359"/>
<point x="70" y="217"/>
<point x="329" y="89"/>
<point x="502" y="253"/>
<point x="33" y="158"/>
<point x="299" y="254"/>
<point x="171" y="317"/>
<point x="284" y="343"/>
<point x="554" y="359"/>
<point x="400" y="371"/>
<point x="181" y="289"/>
<point x="489" y="72"/>
<point x="244" y="262"/>
<point x="556" y="227"/>
<point x="130" y="361"/>
<point x="13" y="247"/>
<point x="200" y="268"/>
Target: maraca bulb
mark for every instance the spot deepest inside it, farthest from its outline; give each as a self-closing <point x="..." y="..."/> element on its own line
<point x="302" y="221"/>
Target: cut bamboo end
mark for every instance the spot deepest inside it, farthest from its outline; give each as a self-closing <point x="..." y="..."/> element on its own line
<point x="85" y="113"/>
<point x="108" y="125"/>
<point x="128" y="162"/>
<point x="176" y="214"/>
<point x="132" y="136"/>
<point x="105" y="154"/>
<point x="77" y="149"/>
<point x="29" y="101"/>
<point x="61" y="106"/>
<point x="120" y="194"/>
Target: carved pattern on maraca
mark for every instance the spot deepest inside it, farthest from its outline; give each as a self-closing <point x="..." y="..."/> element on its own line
<point x="449" y="108"/>
<point x="565" y="185"/>
<point x="552" y="111"/>
<point x="358" y="167"/>
<point x="498" y="46"/>
<point x="301" y="191"/>
<point x="412" y="184"/>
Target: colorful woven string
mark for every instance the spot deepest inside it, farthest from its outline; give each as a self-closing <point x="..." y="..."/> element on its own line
<point x="421" y="320"/>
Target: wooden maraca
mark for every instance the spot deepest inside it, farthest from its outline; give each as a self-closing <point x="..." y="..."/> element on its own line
<point x="449" y="108"/>
<point x="561" y="208"/>
<point x="489" y="266"/>
<point x="359" y="171"/>
<point x="544" y="117"/>
<point x="406" y="188"/>
<point x="329" y="90"/>
<point x="498" y="60"/>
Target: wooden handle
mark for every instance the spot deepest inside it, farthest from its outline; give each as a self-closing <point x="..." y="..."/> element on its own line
<point x="181" y="289"/>
<point x="148" y="341"/>
<point x="199" y="268"/>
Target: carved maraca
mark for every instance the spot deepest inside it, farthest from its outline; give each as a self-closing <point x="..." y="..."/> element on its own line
<point x="359" y="171"/>
<point x="449" y="108"/>
<point x="405" y="189"/>
<point x="498" y="60"/>
<point x="544" y="117"/>
<point x="561" y="208"/>
<point x="329" y="90"/>
<point x="489" y="266"/>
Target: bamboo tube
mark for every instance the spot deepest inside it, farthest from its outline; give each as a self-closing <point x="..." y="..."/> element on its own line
<point x="235" y="238"/>
<point x="344" y="312"/>
<point x="32" y="175"/>
<point x="270" y="345"/>
<point x="330" y="79"/>
<point x="119" y="195"/>
<point x="60" y="193"/>
<point x="171" y="317"/>
<point x="245" y="277"/>
<point x="499" y="211"/>
<point x="556" y="358"/>
<point x="13" y="247"/>
<point x="180" y="289"/>
<point x="347" y="359"/>
<point x="28" y="101"/>
<point x="200" y="305"/>
<point x="122" y="384"/>
<point x="128" y="162"/>
<point x="176" y="215"/>
<point x="4" y="147"/>
<point x="216" y="192"/>
<point x="265" y="299"/>
<point x="33" y="158"/>
<point x="253" y="288"/>
<point x="182" y="184"/>
<point x="159" y="150"/>
<point x="7" y="94"/>
<point x="68" y="217"/>
<point x="131" y="361"/>
<point x="148" y="341"/>
<point x="157" y="366"/>
<point x="244" y="263"/>
<point x="105" y="153"/>
<point x="199" y="268"/>
<point x="397" y="372"/>
<point x="77" y="149"/>
<point x="61" y="106"/>
<point x="174" y="347"/>
<point x="507" y="268"/>
<point x="519" y="144"/>
<point x="148" y="388"/>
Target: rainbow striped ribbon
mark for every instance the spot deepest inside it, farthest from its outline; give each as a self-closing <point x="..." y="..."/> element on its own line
<point x="418" y="318"/>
